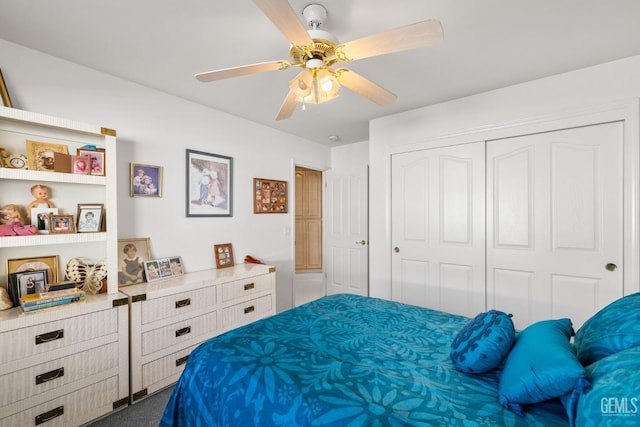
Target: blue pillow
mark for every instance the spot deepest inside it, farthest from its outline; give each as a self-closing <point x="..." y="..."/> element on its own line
<point x="614" y="328"/>
<point x="483" y="342"/>
<point x="542" y="365"/>
<point x="614" y="399"/>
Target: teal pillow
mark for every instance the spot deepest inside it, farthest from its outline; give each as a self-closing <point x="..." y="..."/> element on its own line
<point x="542" y="365"/>
<point x="614" y="399"/>
<point x="614" y="328"/>
<point x="482" y="344"/>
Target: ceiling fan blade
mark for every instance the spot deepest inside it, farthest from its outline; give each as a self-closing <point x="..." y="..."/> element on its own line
<point x="244" y="70"/>
<point x="288" y="106"/>
<point x="365" y="87"/>
<point x="408" y="37"/>
<point x="286" y="20"/>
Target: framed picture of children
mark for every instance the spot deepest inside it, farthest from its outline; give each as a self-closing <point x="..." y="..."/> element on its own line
<point x="132" y="253"/>
<point x="97" y="157"/>
<point x="61" y="224"/>
<point x="209" y="184"/>
<point x="89" y="218"/>
<point x="146" y="180"/>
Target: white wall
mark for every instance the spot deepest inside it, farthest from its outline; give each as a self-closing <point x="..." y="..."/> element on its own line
<point x="156" y="128"/>
<point x="471" y="119"/>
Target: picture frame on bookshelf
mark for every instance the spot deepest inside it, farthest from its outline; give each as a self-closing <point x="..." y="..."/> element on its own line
<point x="40" y="154"/>
<point x="145" y="180"/>
<point x="81" y="165"/>
<point x="89" y="217"/>
<point x="209" y="182"/>
<point x="26" y="283"/>
<point x="48" y="263"/>
<point x="223" y="254"/>
<point x="98" y="159"/>
<point x="132" y="253"/>
<point x="61" y="224"/>
<point x="40" y="218"/>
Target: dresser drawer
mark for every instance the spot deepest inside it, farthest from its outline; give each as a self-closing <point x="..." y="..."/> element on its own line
<point x="72" y="409"/>
<point x="247" y="312"/>
<point x="180" y="304"/>
<point x="178" y="332"/>
<point x="56" y="373"/>
<point x="248" y="286"/>
<point x="165" y="367"/>
<point x="49" y="336"/>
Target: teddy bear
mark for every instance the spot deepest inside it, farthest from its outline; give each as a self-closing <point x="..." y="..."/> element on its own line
<point x="17" y="229"/>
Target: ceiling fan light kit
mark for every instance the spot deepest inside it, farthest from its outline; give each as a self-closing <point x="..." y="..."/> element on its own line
<point x="316" y="51"/>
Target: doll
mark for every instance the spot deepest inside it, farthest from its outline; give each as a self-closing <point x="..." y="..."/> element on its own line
<point x="11" y="214"/>
<point x="41" y="194"/>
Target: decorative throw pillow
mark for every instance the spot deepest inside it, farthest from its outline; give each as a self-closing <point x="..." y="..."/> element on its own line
<point x="483" y="342"/>
<point x="614" y="328"/>
<point x="614" y="399"/>
<point x="542" y="365"/>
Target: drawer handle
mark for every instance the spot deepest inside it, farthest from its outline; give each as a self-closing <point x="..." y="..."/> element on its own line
<point x="249" y="309"/>
<point x="49" y="415"/>
<point x="249" y="286"/>
<point x="49" y="336"/>
<point x="183" y="331"/>
<point x="48" y="376"/>
<point x="183" y="303"/>
<point x="182" y="360"/>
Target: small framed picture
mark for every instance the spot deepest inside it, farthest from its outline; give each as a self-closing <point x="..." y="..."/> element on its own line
<point x="32" y="282"/>
<point x="176" y="266"/>
<point x="89" y="218"/>
<point x="132" y="253"/>
<point x="48" y="263"/>
<point x="40" y="155"/>
<point x="81" y="165"/>
<point x="223" y="254"/>
<point x="40" y="218"/>
<point x="152" y="270"/>
<point x="146" y="180"/>
<point x="97" y="157"/>
<point x="269" y="196"/>
<point x="61" y="224"/>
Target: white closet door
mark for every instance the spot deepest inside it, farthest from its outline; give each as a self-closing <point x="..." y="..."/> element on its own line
<point x="438" y="228"/>
<point x="554" y="223"/>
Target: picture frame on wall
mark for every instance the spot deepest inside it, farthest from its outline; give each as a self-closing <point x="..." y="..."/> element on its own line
<point x="132" y="253"/>
<point x="89" y="218"/>
<point x="270" y="196"/>
<point x="98" y="159"/>
<point x="209" y="181"/>
<point x="145" y="180"/>
<point x="48" y="263"/>
<point x="223" y="254"/>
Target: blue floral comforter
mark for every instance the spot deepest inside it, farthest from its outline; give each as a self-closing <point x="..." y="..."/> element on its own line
<point x="343" y="360"/>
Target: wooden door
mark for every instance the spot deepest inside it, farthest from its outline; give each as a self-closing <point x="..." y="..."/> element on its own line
<point x="437" y="257"/>
<point x="554" y="209"/>
<point x="308" y="219"/>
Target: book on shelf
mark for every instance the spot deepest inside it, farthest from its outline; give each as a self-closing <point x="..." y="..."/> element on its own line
<point x="32" y="302"/>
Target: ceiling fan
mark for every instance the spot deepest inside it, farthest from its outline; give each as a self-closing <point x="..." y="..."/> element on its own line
<point x="316" y="51"/>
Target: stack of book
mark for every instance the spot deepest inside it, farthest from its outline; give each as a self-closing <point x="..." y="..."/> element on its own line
<point x="52" y="298"/>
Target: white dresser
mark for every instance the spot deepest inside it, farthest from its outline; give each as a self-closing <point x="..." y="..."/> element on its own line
<point x="169" y="318"/>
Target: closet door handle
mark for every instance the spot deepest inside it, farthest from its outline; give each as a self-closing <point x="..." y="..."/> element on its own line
<point x="611" y="267"/>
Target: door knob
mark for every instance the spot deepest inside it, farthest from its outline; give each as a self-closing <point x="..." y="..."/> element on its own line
<point x="611" y="267"/>
<point x="361" y="242"/>
<point x="396" y="249"/>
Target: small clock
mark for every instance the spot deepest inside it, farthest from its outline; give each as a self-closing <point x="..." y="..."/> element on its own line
<point x="17" y="161"/>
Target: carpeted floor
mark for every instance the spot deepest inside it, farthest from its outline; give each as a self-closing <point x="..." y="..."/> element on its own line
<point x="145" y="413"/>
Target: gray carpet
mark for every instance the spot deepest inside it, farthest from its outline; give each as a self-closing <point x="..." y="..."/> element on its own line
<point x="145" y="413"/>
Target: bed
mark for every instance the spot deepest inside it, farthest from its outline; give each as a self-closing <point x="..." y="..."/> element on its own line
<point x="347" y="360"/>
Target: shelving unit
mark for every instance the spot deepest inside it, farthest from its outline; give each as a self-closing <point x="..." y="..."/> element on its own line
<point x="64" y="365"/>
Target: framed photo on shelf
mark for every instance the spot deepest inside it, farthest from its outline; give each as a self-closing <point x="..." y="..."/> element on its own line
<point x="80" y="165"/>
<point x="40" y="155"/>
<point x="60" y="224"/>
<point x="97" y="157"/>
<point x="48" y="263"/>
<point x="132" y="253"/>
<point x="269" y="196"/>
<point x="40" y="218"/>
<point x="223" y="254"/>
<point x="145" y="180"/>
<point x="89" y="218"/>
<point x="209" y="181"/>
<point x="25" y="283"/>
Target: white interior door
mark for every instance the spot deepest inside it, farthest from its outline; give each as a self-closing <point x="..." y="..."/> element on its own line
<point x="438" y="228"/>
<point x="347" y="248"/>
<point x="555" y="223"/>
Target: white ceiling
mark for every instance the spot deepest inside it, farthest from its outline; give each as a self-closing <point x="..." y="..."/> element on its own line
<point x="487" y="44"/>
